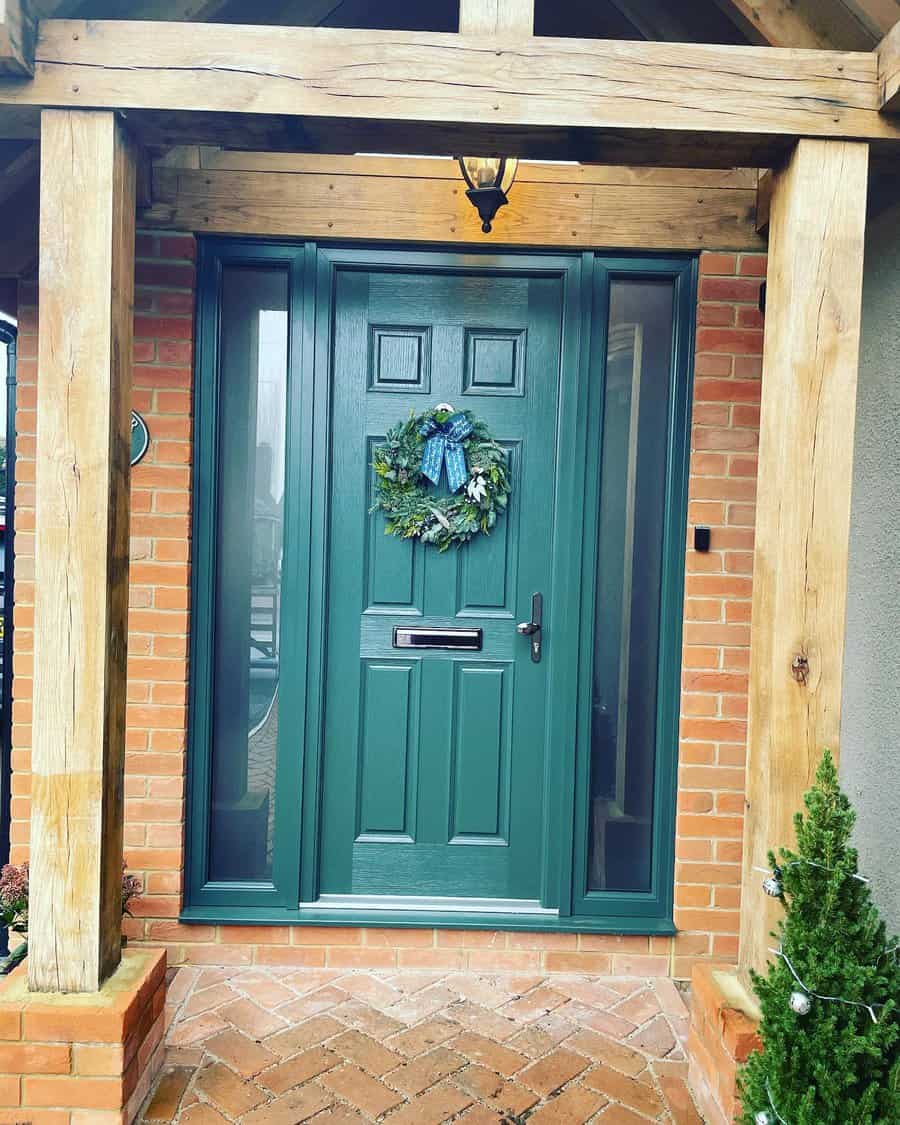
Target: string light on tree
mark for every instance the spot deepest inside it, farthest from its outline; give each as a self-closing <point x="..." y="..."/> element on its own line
<point x="830" y="1026"/>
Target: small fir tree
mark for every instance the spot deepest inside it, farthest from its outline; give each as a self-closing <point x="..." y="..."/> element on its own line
<point x="831" y="1064"/>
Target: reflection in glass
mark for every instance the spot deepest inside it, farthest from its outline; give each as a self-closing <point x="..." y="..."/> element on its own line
<point x="250" y="510"/>
<point x="626" y="628"/>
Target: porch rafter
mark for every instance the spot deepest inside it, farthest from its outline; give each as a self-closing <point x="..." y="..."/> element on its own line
<point x="888" y="54"/>
<point x="17" y="33"/>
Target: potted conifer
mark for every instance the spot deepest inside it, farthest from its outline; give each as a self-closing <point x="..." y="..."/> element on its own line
<point x="830" y="1023"/>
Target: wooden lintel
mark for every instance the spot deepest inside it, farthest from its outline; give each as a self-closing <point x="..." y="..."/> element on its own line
<point x="17" y="34"/>
<point x="87" y="211"/>
<point x="496" y="17"/>
<point x="888" y="53"/>
<point x="813" y="304"/>
<point x="684" y="104"/>
<point x="549" y="205"/>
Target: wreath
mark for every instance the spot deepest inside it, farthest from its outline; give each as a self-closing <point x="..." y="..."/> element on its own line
<point x="412" y="458"/>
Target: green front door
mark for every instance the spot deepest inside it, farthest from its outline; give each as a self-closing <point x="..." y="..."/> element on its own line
<point x="435" y="762"/>
<point x="338" y="776"/>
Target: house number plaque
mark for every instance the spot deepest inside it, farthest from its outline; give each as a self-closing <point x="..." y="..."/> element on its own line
<point x="140" y="437"/>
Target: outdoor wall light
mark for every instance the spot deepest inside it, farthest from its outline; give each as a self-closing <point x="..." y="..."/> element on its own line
<point x="489" y="179"/>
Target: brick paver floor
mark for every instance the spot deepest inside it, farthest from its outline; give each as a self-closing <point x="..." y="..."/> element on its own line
<point x="265" y="1046"/>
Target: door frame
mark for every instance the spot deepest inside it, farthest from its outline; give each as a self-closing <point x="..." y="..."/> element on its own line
<point x="313" y="268"/>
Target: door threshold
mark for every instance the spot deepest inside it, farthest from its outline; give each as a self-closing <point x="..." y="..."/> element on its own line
<point x="419" y="916"/>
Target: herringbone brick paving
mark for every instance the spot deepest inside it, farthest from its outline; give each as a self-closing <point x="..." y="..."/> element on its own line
<point x="269" y="1046"/>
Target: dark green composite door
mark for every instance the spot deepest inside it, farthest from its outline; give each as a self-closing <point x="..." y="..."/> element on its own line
<point x="338" y="776"/>
<point x="435" y="761"/>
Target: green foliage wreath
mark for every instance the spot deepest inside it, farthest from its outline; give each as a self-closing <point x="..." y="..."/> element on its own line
<point x="414" y="508"/>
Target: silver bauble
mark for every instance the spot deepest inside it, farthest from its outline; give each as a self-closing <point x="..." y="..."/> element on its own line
<point x="763" y="1117"/>
<point x="800" y="1003"/>
<point x="772" y="886"/>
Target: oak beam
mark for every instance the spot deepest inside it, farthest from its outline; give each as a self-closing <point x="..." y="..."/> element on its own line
<point x="552" y="205"/>
<point x="813" y="301"/>
<point x="712" y="104"/>
<point x="888" y="53"/>
<point x="17" y="34"/>
<point x="496" y="17"/>
<point x="777" y="22"/>
<point x="764" y="200"/>
<point x="86" y="288"/>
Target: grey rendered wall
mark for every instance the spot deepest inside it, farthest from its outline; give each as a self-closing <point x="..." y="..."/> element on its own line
<point x="870" y="738"/>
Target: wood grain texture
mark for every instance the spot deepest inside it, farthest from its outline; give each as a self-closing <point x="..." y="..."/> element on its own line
<point x="86" y="284"/>
<point x="419" y="167"/>
<point x="17" y="33"/>
<point x="816" y="235"/>
<point x="496" y="17"/>
<point x="425" y="201"/>
<point x="888" y="54"/>
<point x="734" y="104"/>
<point x="879" y="16"/>
<point x="814" y="24"/>
<point x="764" y="200"/>
<point x="780" y="23"/>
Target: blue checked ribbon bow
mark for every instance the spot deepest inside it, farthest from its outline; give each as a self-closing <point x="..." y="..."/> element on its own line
<point x="444" y="445"/>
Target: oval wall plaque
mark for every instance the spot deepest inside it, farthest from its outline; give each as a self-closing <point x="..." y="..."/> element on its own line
<point x="140" y="437"/>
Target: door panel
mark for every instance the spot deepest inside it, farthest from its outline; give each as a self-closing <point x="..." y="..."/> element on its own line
<point x="445" y="751"/>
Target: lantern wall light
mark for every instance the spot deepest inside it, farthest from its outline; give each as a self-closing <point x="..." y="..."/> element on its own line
<point x="489" y="179"/>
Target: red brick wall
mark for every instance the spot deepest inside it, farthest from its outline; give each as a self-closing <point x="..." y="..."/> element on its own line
<point x="714" y="700"/>
<point x="718" y="585"/>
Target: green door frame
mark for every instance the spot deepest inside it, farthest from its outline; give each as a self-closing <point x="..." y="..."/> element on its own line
<point x="311" y="270"/>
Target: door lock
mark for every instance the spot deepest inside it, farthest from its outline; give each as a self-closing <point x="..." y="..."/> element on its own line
<point x="533" y="628"/>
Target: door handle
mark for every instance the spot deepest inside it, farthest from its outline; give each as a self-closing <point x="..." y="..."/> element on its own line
<point x="533" y="628"/>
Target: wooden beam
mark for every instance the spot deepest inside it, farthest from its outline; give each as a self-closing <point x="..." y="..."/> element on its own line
<point x="700" y="102"/>
<point x="436" y="168"/>
<point x="813" y="24"/>
<point x="561" y="205"/>
<point x="813" y="302"/>
<point x="17" y="34"/>
<point x="764" y="200"/>
<point x="496" y="17"/>
<point x="879" y="16"/>
<point x="781" y="23"/>
<point x="81" y="550"/>
<point x="888" y="53"/>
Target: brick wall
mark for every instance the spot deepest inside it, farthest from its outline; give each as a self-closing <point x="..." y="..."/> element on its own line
<point x="718" y="588"/>
<point x="714" y="701"/>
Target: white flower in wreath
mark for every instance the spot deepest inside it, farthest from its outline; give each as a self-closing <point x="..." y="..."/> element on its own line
<point x="476" y="489"/>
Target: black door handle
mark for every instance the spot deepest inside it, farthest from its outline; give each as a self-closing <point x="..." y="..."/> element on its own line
<point x="533" y="628"/>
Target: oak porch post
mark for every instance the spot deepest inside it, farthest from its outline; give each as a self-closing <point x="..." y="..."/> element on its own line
<point x="496" y="17"/>
<point x="810" y="361"/>
<point x="86" y="289"/>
